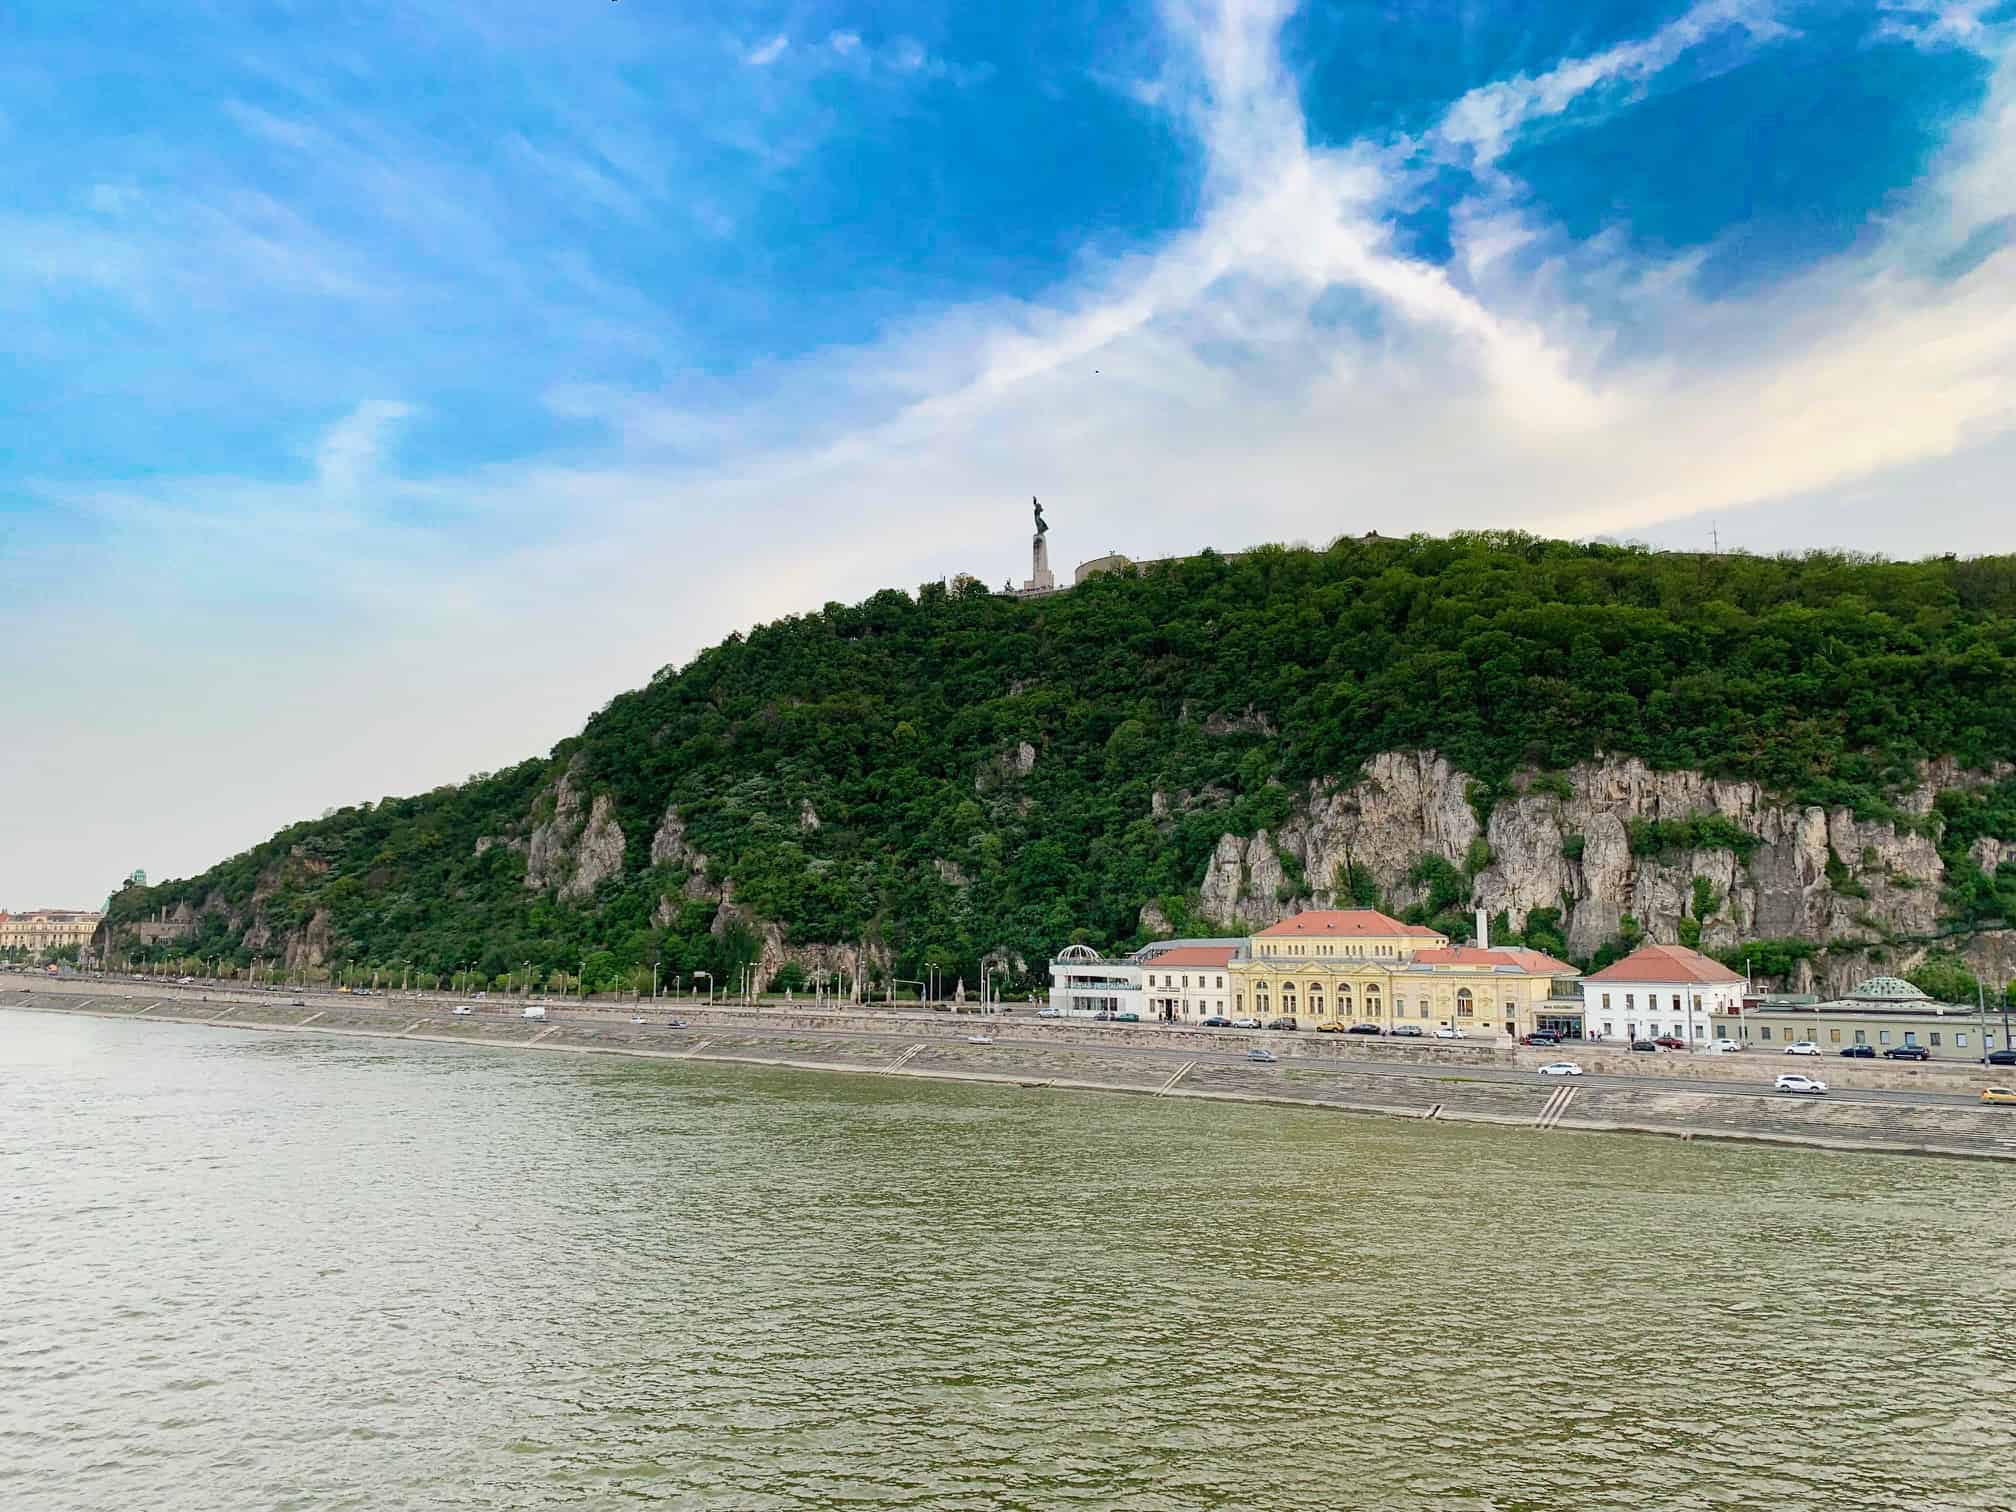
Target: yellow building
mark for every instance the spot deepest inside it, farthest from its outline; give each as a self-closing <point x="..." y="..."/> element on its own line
<point x="46" y="929"/>
<point x="1359" y="966"/>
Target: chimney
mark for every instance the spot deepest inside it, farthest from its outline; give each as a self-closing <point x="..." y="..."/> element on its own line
<point x="1483" y="930"/>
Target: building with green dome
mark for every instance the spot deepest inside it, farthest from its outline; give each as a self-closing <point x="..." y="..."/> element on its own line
<point x="1884" y="1013"/>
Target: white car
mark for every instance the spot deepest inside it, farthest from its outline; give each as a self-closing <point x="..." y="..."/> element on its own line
<point x="1246" y="1023"/>
<point x="463" y="1010"/>
<point x="1263" y="1054"/>
<point x="1797" y="1083"/>
<point x="1450" y="1034"/>
<point x="1723" y="1047"/>
<point x="1049" y="1013"/>
<point x="1803" y="1047"/>
<point x="1561" y="1068"/>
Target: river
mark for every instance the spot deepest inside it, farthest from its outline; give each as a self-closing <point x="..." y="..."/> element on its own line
<point x="257" y="1270"/>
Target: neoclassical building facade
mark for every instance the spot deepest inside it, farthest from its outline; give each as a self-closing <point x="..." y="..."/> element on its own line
<point x="1360" y="966"/>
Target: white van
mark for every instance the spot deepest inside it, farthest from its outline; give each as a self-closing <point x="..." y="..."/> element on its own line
<point x="536" y="1012"/>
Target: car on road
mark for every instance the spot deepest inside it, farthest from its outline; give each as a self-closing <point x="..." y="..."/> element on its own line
<point x="636" y="1019"/>
<point x="300" y="1003"/>
<point x="2003" y="1097"/>
<point x="1561" y="1068"/>
<point x="1540" y="1037"/>
<point x="1670" y="1042"/>
<point x="1126" y="1018"/>
<point x="1407" y="1031"/>
<point x="1281" y="1023"/>
<point x="1450" y="1034"/>
<point x="979" y="1039"/>
<point x="1103" y="1017"/>
<point x="1859" y="1052"/>
<point x="1363" y="1029"/>
<point x="1049" y="1012"/>
<point x="1794" y="1082"/>
<point x="1329" y="1028"/>
<point x="1645" y="1047"/>
<point x="2002" y="1058"/>
<point x="1216" y="1021"/>
<point x="1246" y="1023"/>
<point x="1724" y="1046"/>
<point x="675" y="1023"/>
<point x="1802" y="1047"/>
<point x="1262" y="1053"/>
<point x="462" y="1010"/>
<point x="1907" y="1052"/>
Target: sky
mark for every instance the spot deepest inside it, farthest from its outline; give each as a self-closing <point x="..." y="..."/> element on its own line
<point x="389" y="383"/>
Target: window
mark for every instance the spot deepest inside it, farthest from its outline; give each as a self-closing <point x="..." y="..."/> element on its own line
<point x="1766" y="1032"/>
<point x="1372" y="1000"/>
<point x="1609" y="1029"/>
<point x="1186" y="981"/>
<point x="1935" y="1037"/>
<point x="1910" y="1036"/>
<point x="1697" y="1002"/>
<point x="1606" y="1002"/>
<point x="1882" y="1036"/>
<point x="1861" y="1036"/>
<point x="1833" y="1036"/>
<point x="1960" y="1041"/>
<point x="1221" y="984"/>
<point x="1466" y="1006"/>
<point x="1676" y="1002"/>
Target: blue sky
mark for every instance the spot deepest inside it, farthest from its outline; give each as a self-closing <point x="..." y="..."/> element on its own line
<point x="391" y="382"/>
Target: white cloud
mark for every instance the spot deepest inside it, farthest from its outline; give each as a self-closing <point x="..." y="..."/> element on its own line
<point x="763" y="55"/>
<point x="349" y="451"/>
<point x="844" y="42"/>
<point x="1957" y="23"/>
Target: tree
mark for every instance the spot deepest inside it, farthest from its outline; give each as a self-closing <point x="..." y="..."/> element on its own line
<point x="1945" y="979"/>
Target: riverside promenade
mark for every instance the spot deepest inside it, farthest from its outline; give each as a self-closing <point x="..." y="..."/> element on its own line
<point x="1922" y="1109"/>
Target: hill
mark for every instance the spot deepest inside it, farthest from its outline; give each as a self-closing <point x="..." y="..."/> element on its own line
<point x="1594" y="742"/>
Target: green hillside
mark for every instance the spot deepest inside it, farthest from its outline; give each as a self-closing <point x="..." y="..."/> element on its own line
<point x="1222" y="684"/>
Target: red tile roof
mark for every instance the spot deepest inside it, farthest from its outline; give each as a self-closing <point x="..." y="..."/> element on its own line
<point x="1352" y="923"/>
<point x="1666" y="963"/>
<point x="1532" y="962"/>
<point x="1194" y="955"/>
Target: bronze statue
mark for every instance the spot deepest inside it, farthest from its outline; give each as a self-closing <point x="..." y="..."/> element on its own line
<point x="1042" y="525"/>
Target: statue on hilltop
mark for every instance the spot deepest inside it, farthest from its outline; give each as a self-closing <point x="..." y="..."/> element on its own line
<point x="1042" y="525"/>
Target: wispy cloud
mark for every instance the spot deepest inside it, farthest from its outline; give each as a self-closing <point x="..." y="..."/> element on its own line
<point x="765" y="53"/>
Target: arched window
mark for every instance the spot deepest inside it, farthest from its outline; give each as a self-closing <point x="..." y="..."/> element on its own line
<point x="1287" y="1000"/>
<point x="1343" y="1000"/>
<point x="1260" y="998"/>
<point x="1315" y="1000"/>
<point x="1372" y="1004"/>
<point x="1465" y="1005"/>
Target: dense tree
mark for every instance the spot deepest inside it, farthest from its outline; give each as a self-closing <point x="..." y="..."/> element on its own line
<point x="958" y="772"/>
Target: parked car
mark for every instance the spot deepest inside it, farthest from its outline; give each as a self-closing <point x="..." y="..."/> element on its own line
<point x="1329" y="1028"/>
<point x="675" y="1023"/>
<point x="1794" y="1082"/>
<point x="1670" y="1042"/>
<point x="1450" y="1034"/>
<point x="1802" y="1047"/>
<point x="1907" y="1052"/>
<point x="1103" y="1016"/>
<point x="1245" y="1023"/>
<point x="1645" y="1047"/>
<point x="462" y="1010"/>
<point x="1541" y="1037"/>
<point x="1281" y="1023"/>
<point x="1561" y="1068"/>
<point x="300" y="1003"/>
<point x="1363" y="1029"/>
<point x="1860" y="1052"/>
<point x="2002" y="1058"/>
<point x="1407" y="1031"/>
<point x="1724" y="1046"/>
<point x="1049" y="1013"/>
<point x="1262" y="1053"/>
<point x="2000" y="1096"/>
<point x="1216" y="1021"/>
<point x="1126" y="1018"/>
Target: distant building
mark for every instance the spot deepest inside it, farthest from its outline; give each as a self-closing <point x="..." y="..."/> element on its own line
<point x="1187" y="981"/>
<point x="43" y="931"/>
<point x="1884" y="1013"/>
<point x="1084" y="983"/>
<point x="1360" y="966"/>
<point x="1661" y="990"/>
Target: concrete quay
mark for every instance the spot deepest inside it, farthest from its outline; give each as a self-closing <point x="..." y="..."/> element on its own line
<point x="1871" y="1108"/>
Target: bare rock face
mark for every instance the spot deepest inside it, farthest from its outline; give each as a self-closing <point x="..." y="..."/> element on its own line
<point x="808" y="817"/>
<point x="949" y="872"/>
<point x="572" y="853"/>
<point x="1818" y="875"/>
<point x="668" y="844"/>
<point x="598" y="854"/>
<point x="1155" y="923"/>
<point x="309" y="946"/>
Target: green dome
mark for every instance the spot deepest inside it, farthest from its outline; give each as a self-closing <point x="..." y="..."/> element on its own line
<point x="1889" y="989"/>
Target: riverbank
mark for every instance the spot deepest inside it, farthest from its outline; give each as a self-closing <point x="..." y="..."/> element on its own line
<point x="1933" y="1116"/>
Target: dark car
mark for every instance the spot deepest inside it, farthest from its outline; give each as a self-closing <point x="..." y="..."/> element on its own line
<point x="1102" y="1016"/>
<point x="1860" y="1052"/>
<point x="1281" y="1023"/>
<point x="1541" y="1037"/>
<point x="1650" y="1047"/>
<point x="1363" y="1029"/>
<point x="1907" y="1052"/>
<point x="2002" y="1058"/>
<point x="1670" y="1042"/>
<point x="675" y="1023"/>
<point x="1216" y="1021"/>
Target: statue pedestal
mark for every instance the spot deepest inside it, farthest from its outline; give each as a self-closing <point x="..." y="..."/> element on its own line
<point x="1041" y="579"/>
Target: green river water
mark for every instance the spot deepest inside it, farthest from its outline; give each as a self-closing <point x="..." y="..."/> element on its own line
<point x="252" y="1270"/>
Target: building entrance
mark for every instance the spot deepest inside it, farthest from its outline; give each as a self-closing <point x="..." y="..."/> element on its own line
<point x="1567" y="1025"/>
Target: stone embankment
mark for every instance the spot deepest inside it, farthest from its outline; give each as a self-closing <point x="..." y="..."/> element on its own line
<point x="1915" y="1109"/>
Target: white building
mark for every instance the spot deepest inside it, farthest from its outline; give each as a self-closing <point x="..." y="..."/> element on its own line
<point x="1083" y="984"/>
<point x="1660" y="990"/>
<point x="1187" y="982"/>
